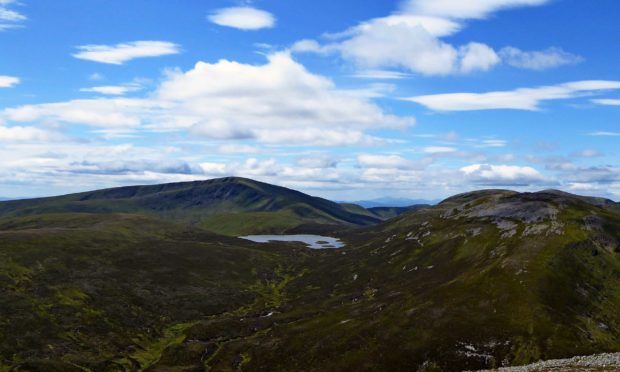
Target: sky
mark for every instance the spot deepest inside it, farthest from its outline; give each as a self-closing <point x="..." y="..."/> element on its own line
<point x="348" y="99"/>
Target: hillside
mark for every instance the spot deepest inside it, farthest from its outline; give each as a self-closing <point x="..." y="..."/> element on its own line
<point x="484" y="279"/>
<point x="481" y="280"/>
<point x="231" y="206"/>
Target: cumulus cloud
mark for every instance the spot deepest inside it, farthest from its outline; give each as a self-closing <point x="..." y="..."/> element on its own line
<point x="279" y="102"/>
<point x="120" y="53"/>
<point x="408" y="42"/>
<point x="502" y="175"/>
<point x="413" y="39"/>
<point x="243" y="18"/>
<point x="8" y="81"/>
<point x="519" y="99"/>
<point x="477" y="57"/>
<point x="538" y="60"/>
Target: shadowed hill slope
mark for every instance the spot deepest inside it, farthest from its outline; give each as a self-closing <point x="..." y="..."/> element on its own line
<point x="230" y="206"/>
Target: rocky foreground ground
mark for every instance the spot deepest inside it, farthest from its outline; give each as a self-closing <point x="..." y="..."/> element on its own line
<point x="600" y="362"/>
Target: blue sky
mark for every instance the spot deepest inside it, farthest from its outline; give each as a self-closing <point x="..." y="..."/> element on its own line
<point x="347" y="100"/>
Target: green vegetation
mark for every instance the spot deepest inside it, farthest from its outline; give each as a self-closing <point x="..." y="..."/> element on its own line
<point x="479" y="281"/>
<point x="230" y="206"/>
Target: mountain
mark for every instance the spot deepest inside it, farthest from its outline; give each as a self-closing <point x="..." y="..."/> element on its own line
<point x="232" y="206"/>
<point x="480" y="280"/>
<point x="386" y="213"/>
<point x="393" y="202"/>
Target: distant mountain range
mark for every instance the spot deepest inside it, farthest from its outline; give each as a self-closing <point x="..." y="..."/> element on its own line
<point x="394" y="202"/>
<point x="137" y="278"/>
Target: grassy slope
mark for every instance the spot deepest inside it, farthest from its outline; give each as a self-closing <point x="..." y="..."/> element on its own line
<point x="116" y="290"/>
<point x="480" y="280"/>
<point x="474" y="292"/>
<point x="242" y="203"/>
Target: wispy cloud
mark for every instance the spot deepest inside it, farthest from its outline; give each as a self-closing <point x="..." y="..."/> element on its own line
<point x="29" y="134"/>
<point x="604" y="134"/>
<point x="124" y="52"/>
<point x="439" y="150"/>
<point x="10" y="18"/>
<point x="457" y="9"/>
<point x="607" y="102"/>
<point x="113" y="90"/>
<point x="8" y="81"/>
<point x="519" y="99"/>
<point x="381" y="75"/>
<point x="243" y="18"/>
<point x="538" y="60"/>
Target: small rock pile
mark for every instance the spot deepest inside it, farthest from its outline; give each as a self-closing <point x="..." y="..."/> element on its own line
<point x="600" y="362"/>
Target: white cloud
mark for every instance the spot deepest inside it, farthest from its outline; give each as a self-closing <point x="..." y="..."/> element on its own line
<point x="384" y="162"/>
<point x="589" y="153"/>
<point x="381" y="75"/>
<point x="412" y="39"/>
<point x="10" y="18"/>
<point x="96" y="77"/>
<point x="439" y="150"/>
<point x="243" y="18"/>
<point x="604" y="134"/>
<point x="507" y="175"/>
<point x="607" y="102"/>
<point x="29" y="134"/>
<point x="112" y="90"/>
<point x="279" y="102"/>
<point x="538" y="60"/>
<point x="8" y="81"/>
<point x="460" y="9"/>
<point x="477" y="57"/>
<point x="105" y="113"/>
<point x="124" y="52"/>
<point x="237" y="149"/>
<point x="519" y="99"/>
<point x="492" y="143"/>
<point x="409" y="43"/>
<point x="309" y="46"/>
<point x="317" y="162"/>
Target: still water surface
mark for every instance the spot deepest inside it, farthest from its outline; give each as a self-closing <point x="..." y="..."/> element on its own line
<point x="312" y="241"/>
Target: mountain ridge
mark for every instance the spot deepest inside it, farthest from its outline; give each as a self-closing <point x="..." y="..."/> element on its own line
<point x="237" y="201"/>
